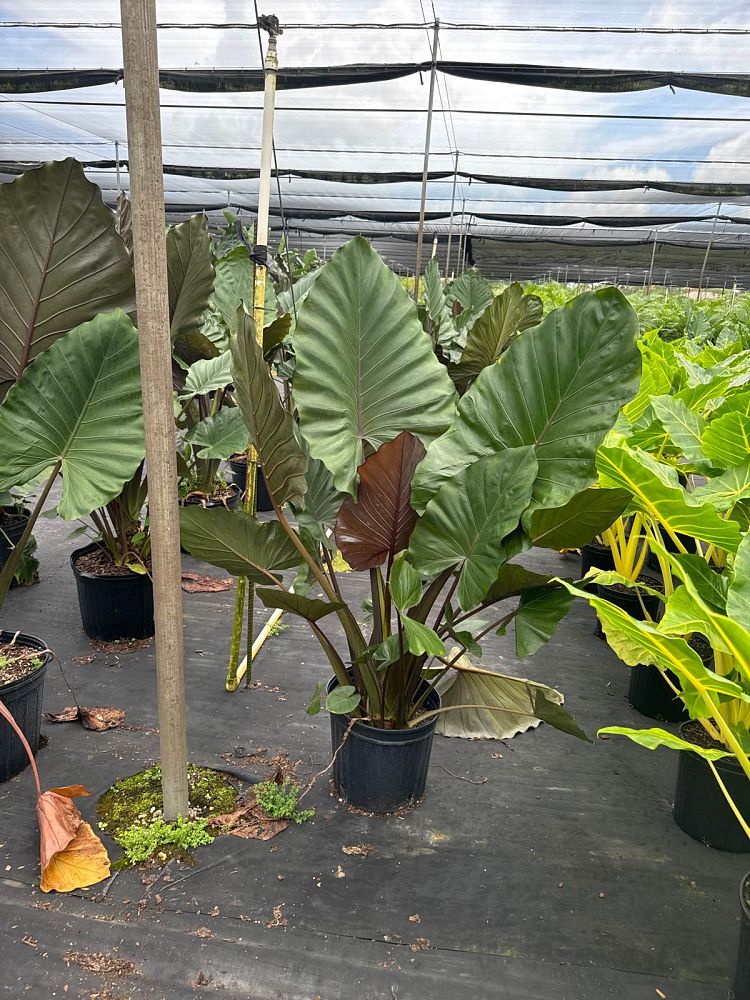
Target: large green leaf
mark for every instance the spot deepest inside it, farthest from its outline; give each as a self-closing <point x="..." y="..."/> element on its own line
<point x="539" y="613"/>
<point x="233" y="286"/>
<point x="365" y="367"/>
<point x="465" y="523"/>
<point x="656" y="378"/>
<point x="237" y="542"/>
<point x="61" y="261"/>
<point x="473" y="294"/>
<point x="78" y="404"/>
<point x="585" y="515"/>
<point x="485" y="705"/>
<point x="292" y="298"/>
<point x="657" y="493"/>
<point x="682" y="425"/>
<point x="725" y="491"/>
<point x="322" y="502"/>
<point x="441" y="327"/>
<point x="738" y="594"/>
<point x="269" y="425"/>
<point x="514" y="580"/>
<point x="220" y="435"/>
<point x="190" y="274"/>
<point x="208" y="374"/>
<point x="559" y="388"/>
<point x="510" y="313"/>
<point x="726" y="440"/>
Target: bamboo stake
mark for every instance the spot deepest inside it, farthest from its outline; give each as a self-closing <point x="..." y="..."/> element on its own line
<point x="426" y="164"/>
<point x="245" y="590"/>
<point x="257" y="645"/>
<point x="141" y="78"/>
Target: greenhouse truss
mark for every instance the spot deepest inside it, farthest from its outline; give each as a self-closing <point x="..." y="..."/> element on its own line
<point x="562" y="145"/>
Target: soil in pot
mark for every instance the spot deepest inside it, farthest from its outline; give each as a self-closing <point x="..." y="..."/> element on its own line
<point x="636" y="602"/>
<point x="700" y="808"/>
<point x="115" y="603"/>
<point x="382" y="770"/>
<point x="23" y="664"/>
<point x="238" y="465"/>
<point x="649" y="693"/>
<point x="742" y="975"/>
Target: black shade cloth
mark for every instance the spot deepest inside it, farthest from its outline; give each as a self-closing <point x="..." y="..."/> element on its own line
<point x="697" y="189"/>
<point x="295" y="78"/>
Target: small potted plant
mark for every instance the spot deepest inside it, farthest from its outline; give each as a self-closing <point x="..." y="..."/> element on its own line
<point x="23" y="664"/>
<point x="77" y="413"/>
<point x="431" y="503"/>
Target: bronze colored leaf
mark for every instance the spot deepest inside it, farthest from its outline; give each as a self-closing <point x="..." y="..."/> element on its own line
<point x="380" y="521"/>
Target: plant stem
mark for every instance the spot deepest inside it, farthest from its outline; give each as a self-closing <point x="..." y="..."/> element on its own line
<point x="14" y="559"/>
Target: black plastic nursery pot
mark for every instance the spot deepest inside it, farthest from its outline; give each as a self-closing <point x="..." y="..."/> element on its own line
<point x="114" y="607"/>
<point x="12" y="525"/>
<point x="23" y="699"/>
<point x="742" y="975"/>
<point x="239" y="478"/>
<point x="636" y="604"/>
<point x="700" y="808"/>
<point x="595" y="555"/>
<point x="649" y="694"/>
<point x="382" y="770"/>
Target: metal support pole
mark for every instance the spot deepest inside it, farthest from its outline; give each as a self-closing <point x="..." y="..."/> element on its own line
<point x="708" y="251"/>
<point x="245" y="589"/>
<point x="426" y="164"/>
<point x="117" y="166"/>
<point x="653" y="257"/>
<point x="450" y="221"/>
<point x="461" y="236"/>
<point x="141" y="77"/>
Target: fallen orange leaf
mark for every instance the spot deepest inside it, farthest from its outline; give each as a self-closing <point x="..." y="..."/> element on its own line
<point x="82" y="863"/>
<point x="71" y="854"/>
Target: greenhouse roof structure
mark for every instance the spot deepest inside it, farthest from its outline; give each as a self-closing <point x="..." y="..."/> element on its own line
<point x="609" y="142"/>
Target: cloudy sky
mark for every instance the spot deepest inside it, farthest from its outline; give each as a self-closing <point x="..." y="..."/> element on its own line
<point x="381" y="126"/>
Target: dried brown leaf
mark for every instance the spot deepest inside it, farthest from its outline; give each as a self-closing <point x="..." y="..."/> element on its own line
<point x="358" y="850"/>
<point x="197" y="583"/>
<point x="101" y="962"/>
<point x="98" y="719"/>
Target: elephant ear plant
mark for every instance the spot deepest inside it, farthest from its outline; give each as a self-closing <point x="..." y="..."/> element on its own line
<point x="431" y="499"/>
<point x="76" y="412"/>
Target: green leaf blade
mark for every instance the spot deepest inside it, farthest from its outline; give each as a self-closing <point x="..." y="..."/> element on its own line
<point x="365" y="367"/>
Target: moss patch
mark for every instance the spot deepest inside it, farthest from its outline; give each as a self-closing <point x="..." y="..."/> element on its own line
<point x="136" y="803"/>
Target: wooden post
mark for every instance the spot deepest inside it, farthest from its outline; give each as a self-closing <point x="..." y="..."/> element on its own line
<point x="141" y="78"/>
<point x="426" y="164"/>
<point x="653" y="257"/>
